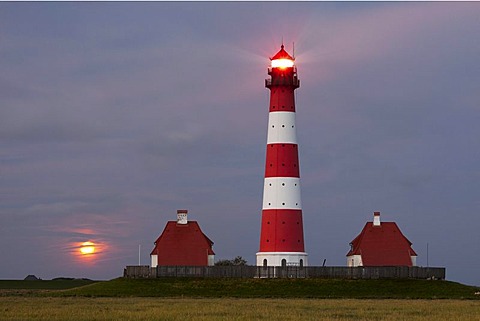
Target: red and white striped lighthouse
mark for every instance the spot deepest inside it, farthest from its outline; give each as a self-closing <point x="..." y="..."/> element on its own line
<point x="281" y="237"/>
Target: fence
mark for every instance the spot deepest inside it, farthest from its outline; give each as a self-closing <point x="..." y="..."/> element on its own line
<point x="247" y="271"/>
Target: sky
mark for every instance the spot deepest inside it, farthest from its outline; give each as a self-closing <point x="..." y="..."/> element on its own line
<point x="115" y="115"/>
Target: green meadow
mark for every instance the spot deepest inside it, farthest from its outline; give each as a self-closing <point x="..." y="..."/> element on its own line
<point x="276" y="288"/>
<point x="238" y="299"/>
<point x="211" y="309"/>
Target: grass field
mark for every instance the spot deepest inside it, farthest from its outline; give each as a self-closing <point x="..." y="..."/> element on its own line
<point x="276" y="288"/>
<point x="238" y="299"/>
<point x="82" y="308"/>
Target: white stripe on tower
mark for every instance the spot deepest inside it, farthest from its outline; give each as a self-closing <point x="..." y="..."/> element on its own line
<point x="281" y="127"/>
<point x="282" y="193"/>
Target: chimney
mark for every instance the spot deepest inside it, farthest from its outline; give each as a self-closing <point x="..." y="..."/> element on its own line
<point x="182" y="216"/>
<point x="376" y="218"/>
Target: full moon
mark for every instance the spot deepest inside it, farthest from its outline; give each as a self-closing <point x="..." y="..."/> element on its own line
<point x="87" y="248"/>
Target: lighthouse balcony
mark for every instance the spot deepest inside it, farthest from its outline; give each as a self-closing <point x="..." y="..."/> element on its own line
<point x="282" y="81"/>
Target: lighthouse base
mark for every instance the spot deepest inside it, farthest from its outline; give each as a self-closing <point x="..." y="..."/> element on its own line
<point x="282" y="259"/>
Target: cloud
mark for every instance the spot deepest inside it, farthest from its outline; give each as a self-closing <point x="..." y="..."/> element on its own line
<point x="114" y="116"/>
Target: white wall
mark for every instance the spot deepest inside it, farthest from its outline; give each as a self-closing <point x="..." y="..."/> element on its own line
<point x="153" y="260"/>
<point x="211" y="260"/>
<point x="275" y="258"/>
<point x="354" y="261"/>
<point x="281" y="128"/>
<point x="282" y="193"/>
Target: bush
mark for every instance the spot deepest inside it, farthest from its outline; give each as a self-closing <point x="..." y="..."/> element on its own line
<point x="235" y="262"/>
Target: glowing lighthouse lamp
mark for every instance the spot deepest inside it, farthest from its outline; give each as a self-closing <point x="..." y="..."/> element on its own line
<point x="282" y="63"/>
<point x="281" y="236"/>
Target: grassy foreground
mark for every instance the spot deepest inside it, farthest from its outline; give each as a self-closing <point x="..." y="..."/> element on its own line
<point x="238" y="299"/>
<point x="70" y="308"/>
<point x="275" y="288"/>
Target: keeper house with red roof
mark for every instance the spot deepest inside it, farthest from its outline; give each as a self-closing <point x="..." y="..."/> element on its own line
<point x="381" y="244"/>
<point x="182" y="243"/>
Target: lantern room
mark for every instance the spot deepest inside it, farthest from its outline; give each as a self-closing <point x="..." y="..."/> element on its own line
<point x="282" y="70"/>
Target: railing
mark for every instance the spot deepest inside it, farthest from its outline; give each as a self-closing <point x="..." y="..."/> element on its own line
<point x="295" y="82"/>
<point x="337" y="272"/>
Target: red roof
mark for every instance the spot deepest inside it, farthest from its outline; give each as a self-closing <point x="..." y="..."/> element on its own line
<point x="382" y="245"/>
<point x="183" y="244"/>
<point x="282" y="54"/>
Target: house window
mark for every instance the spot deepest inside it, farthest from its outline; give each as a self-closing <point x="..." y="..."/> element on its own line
<point x="284" y="263"/>
<point x="301" y="263"/>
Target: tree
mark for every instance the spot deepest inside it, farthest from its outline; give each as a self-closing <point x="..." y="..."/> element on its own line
<point x="235" y="262"/>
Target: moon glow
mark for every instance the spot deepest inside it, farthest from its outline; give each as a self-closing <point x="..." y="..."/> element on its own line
<point x="87" y="248"/>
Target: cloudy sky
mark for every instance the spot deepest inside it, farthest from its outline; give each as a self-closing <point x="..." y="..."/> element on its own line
<point x="115" y="115"/>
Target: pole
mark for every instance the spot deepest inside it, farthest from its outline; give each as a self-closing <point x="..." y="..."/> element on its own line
<point x="139" y="247"/>
<point x="427" y="255"/>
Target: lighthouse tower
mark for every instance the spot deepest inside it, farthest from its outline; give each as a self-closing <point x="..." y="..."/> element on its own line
<point x="281" y="237"/>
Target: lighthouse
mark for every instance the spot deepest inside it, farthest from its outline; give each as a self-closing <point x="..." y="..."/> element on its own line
<point x="281" y="236"/>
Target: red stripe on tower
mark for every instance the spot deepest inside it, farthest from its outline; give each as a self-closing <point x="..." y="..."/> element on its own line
<point x="281" y="237"/>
